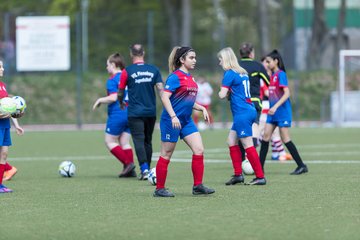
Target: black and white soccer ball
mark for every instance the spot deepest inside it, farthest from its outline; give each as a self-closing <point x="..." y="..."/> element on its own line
<point x="152" y="176"/>
<point x="67" y="169"/>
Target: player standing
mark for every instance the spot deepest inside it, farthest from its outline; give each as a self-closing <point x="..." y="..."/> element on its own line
<point x="236" y="83"/>
<point x="280" y="112"/>
<point x="141" y="78"/>
<point x="178" y="100"/>
<point x="5" y="138"/>
<point x="117" y="132"/>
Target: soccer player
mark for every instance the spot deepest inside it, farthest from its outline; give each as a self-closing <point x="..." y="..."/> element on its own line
<point x="280" y="112"/>
<point x="117" y="132"/>
<point x="141" y="78"/>
<point x="5" y="138"/>
<point x="236" y="83"/>
<point x="178" y="100"/>
<point x="256" y="73"/>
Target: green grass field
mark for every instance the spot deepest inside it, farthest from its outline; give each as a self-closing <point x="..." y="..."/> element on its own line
<point x="96" y="204"/>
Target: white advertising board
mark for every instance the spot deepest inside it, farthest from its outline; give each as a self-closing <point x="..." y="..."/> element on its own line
<point x="43" y="43"/>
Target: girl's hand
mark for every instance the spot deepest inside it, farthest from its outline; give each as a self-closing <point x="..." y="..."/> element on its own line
<point x="19" y="130"/>
<point x="96" y="104"/>
<point x="206" y="115"/>
<point x="175" y="122"/>
<point x="5" y="115"/>
<point x="272" y="111"/>
<point x="17" y="115"/>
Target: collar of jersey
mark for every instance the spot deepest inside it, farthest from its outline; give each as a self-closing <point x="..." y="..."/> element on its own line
<point x="247" y="59"/>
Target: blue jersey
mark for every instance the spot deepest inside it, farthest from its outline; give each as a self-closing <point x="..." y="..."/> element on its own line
<point x="239" y="86"/>
<point x="276" y="90"/>
<point x="112" y="88"/>
<point x="4" y="122"/>
<point x="141" y="78"/>
<point x="184" y="90"/>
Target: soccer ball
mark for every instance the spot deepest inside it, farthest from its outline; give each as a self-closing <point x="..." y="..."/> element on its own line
<point x="247" y="168"/>
<point x="7" y="105"/>
<point x="152" y="176"/>
<point x="20" y="104"/>
<point x="67" y="169"/>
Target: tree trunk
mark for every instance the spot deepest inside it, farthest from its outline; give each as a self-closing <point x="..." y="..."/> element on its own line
<point x="319" y="35"/>
<point x="339" y="32"/>
<point x="186" y="23"/>
<point x="264" y="27"/>
<point x="170" y="7"/>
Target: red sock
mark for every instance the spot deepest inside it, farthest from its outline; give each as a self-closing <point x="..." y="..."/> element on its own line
<point x="129" y="156"/>
<point x="254" y="160"/>
<point x="161" y="172"/>
<point x="119" y="153"/>
<point x="197" y="167"/>
<point x="7" y="166"/>
<point x="2" y="170"/>
<point x="235" y="154"/>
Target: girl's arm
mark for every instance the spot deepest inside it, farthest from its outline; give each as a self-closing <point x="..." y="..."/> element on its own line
<point x="280" y="102"/>
<point x="204" y="111"/>
<point x="165" y="99"/>
<point x="224" y="92"/>
<point x="105" y="100"/>
<point x="19" y="130"/>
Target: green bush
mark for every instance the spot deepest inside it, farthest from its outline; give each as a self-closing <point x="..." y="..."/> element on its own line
<point x="52" y="97"/>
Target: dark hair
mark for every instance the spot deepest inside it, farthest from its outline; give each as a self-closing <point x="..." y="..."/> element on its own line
<point x="274" y="54"/>
<point x="246" y="49"/>
<point x="118" y="60"/>
<point x="137" y="50"/>
<point x="176" y="54"/>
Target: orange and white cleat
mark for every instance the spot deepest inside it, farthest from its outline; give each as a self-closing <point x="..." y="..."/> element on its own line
<point x="288" y="156"/>
<point x="8" y="175"/>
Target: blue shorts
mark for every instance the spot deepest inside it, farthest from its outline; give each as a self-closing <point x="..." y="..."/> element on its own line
<point x="169" y="134"/>
<point x="282" y="123"/>
<point x="116" y="125"/>
<point x="243" y="124"/>
<point x="5" y="138"/>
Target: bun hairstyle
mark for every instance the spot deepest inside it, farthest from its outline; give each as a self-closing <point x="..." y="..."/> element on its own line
<point x="274" y="54"/>
<point x="118" y="60"/>
<point x="176" y="55"/>
<point x="246" y="49"/>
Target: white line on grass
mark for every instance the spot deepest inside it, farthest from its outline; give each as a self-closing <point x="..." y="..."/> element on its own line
<point x="73" y="158"/>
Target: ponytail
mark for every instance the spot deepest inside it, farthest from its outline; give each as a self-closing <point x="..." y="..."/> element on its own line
<point x="274" y="54"/>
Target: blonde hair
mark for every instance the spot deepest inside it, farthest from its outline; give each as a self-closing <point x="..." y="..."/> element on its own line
<point x="230" y="61"/>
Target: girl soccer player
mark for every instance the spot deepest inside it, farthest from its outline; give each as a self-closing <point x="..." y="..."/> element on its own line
<point x="280" y="112"/>
<point x="5" y="138"/>
<point x="178" y="100"/>
<point x="236" y="83"/>
<point x="117" y="133"/>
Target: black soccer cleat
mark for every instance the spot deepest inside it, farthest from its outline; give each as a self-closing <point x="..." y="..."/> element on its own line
<point x="202" y="190"/>
<point x="235" y="179"/>
<point x="163" y="192"/>
<point x="300" y="170"/>
<point x="257" y="181"/>
<point x="127" y="170"/>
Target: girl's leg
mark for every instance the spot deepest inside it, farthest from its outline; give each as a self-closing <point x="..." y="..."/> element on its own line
<point x="167" y="149"/>
<point x="235" y="153"/>
<point x="269" y="129"/>
<point x="3" y="156"/>
<point x="194" y="141"/>
<point x="253" y="156"/>
<point x="285" y="136"/>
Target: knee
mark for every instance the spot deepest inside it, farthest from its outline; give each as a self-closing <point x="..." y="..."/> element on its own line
<point x="3" y="157"/>
<point x="198" y="150"/>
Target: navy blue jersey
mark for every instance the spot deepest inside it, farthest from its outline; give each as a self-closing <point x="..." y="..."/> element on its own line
<point x="256" y="71"/>
<point x="141" y="78"/>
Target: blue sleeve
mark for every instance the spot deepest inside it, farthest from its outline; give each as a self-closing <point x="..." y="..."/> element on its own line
<point x="112" y="84"/>
<point x="172" y="83"/>
<point x="228" y="79"/>
<point x="283" y="82"/>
